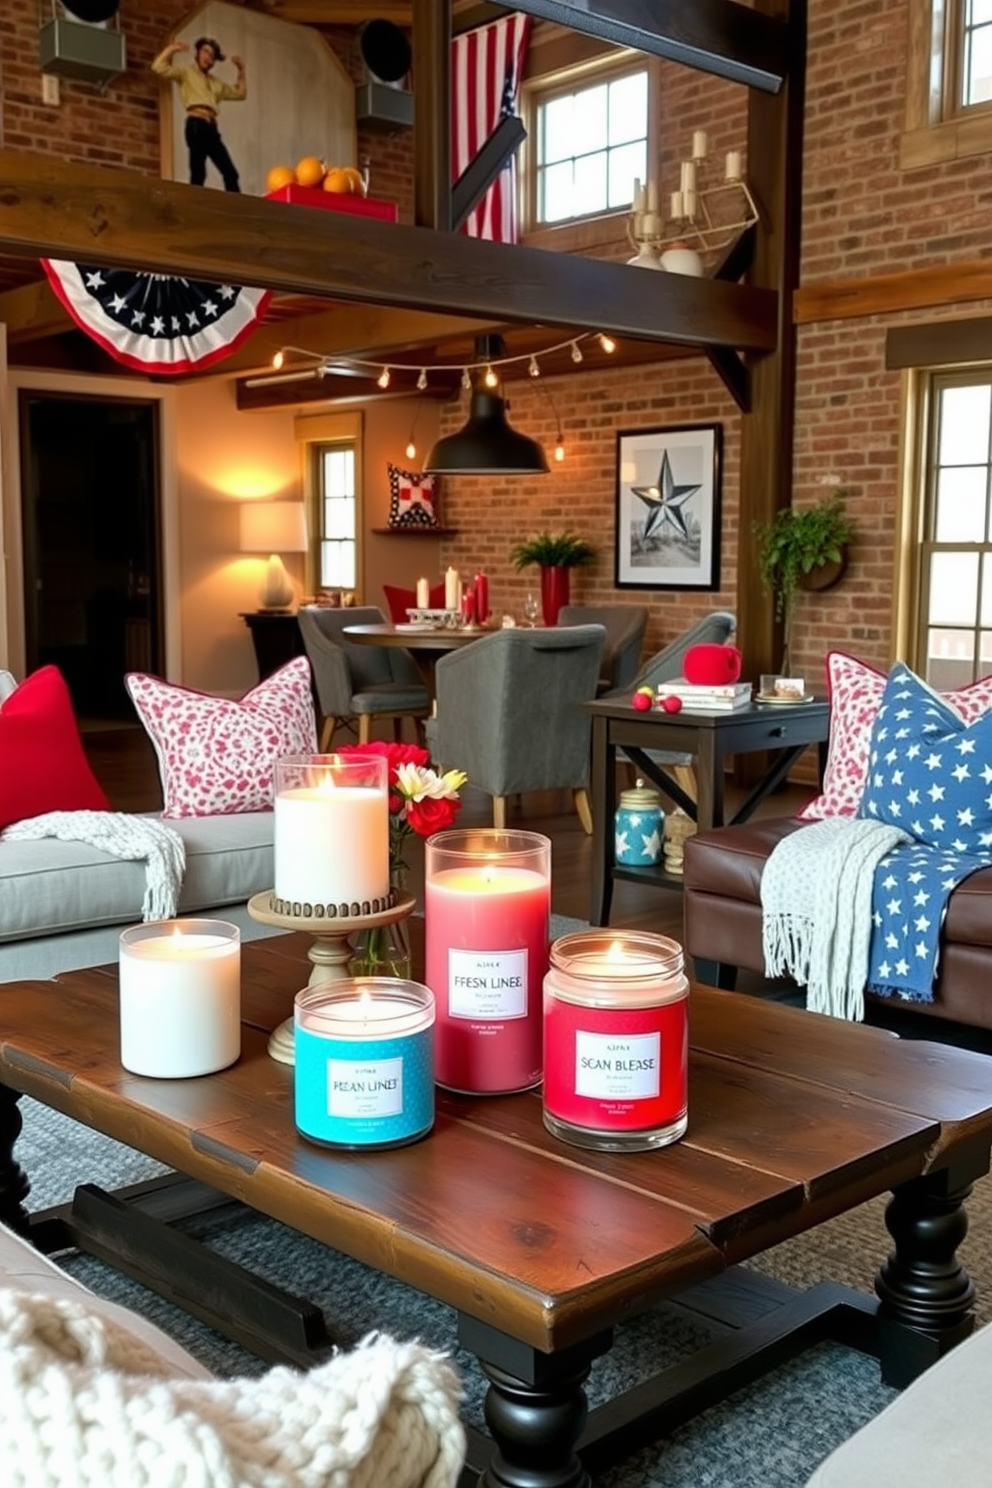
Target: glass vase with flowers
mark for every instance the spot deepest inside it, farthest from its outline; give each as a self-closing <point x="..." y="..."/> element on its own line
<point x="421" y="801"/>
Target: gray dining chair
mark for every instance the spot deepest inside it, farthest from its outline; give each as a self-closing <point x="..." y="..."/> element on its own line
<point x="357" y="683"/>
<point x="509" y="713"/>
<point x="714" y="629"/>
<point x="625" y="626"/>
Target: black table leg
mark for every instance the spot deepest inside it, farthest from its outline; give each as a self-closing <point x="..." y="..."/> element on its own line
<point x="603" y="766"/>
<point x="535" y="1408"/>
<point x="14" y="1185"/>
<point x="925" y="1292"/>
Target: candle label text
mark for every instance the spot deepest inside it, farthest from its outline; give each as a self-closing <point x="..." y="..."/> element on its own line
<point x="608" y="1066"/>
<point x="364" y="1087"/>
<point x="487" y="984"/>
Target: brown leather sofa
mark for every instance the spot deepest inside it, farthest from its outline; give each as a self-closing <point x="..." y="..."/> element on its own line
<point x="723" y="921"/>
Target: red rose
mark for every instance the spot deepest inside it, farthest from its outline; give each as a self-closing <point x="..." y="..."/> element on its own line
<point x="431" y="814"/>
<point x="394" y="754"/>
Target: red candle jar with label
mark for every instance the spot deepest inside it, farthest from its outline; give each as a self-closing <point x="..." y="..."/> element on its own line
<point x="487" y="912"/>
<point x="616" y="1040"/>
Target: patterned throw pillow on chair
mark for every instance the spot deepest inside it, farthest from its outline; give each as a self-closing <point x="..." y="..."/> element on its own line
<point x="217" y="755"/>
<point x="855" y="691"/>
<point x="412" y="499"/>
<point x="930" y="773"/>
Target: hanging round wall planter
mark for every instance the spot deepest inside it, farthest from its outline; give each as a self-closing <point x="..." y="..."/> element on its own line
<point x="825" y="575"/>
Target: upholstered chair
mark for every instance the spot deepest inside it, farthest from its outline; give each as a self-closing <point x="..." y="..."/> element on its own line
<point x="625" y="626"/>
<point x="665" y="665"/>
<point x="357" y="683"/>
<point x="509" y="712"/>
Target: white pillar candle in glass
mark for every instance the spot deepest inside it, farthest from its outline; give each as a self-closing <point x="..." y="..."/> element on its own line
<point x="180" y="997"/>
<point x="332" y="830"/>
<point x="451" y="582"/>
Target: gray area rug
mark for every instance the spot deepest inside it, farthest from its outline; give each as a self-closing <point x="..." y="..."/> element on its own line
<point x="770" y="1435"/>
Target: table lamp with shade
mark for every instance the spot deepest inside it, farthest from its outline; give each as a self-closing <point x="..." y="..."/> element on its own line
<point x="274" y="527"/>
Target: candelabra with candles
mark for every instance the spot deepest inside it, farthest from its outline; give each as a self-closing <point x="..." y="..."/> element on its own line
<point x="705" y="215"/>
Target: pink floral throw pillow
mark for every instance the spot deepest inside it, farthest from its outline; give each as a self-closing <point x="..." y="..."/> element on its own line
<point x="855" y="690"/>
<point x="216" y="756"/>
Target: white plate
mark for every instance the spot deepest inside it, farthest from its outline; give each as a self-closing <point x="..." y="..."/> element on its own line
<point x="415" y="625"/>
<point x="783" y="702"/>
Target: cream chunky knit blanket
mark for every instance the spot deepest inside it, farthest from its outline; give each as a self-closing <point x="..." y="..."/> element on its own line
<point x="83" y="1404"/>
<point x="123" y="836"/>
<point x="816" y="909"/>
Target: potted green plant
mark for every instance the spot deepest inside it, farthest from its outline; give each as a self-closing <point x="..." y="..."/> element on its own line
<point x="555" y="553"/>
<point x="802" y="547"/>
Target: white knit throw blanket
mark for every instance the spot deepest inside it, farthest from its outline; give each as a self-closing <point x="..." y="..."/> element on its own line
<point x="83" y="1404"/>
<point x="816" y="909"/>
<point x="123" y="836"/>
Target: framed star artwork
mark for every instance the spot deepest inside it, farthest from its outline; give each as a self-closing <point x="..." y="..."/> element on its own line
<point x="668" y="507"/>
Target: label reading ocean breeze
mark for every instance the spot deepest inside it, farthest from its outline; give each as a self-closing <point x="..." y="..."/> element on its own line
<point x="487" y="984"/>
<point x="363" y="1087"/>
<point x="611" y="1067"/>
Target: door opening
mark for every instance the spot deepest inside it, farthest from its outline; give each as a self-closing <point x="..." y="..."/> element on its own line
<point x="92" y="546"/>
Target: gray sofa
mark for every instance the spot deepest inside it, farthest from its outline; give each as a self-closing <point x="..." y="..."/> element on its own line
<point x="63" y="904"/>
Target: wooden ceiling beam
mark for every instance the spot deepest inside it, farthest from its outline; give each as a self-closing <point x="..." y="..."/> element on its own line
<point x="114" y="218"/>
<point x="32" y="312"/>
<point x="720" y="37"/>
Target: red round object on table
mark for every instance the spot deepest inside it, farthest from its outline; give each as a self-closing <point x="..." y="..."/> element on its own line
<point x="671" y="704"/>
<point x="641" y="702"/>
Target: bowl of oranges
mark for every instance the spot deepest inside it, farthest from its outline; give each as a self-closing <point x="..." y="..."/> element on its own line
<point x="314" y="174"/>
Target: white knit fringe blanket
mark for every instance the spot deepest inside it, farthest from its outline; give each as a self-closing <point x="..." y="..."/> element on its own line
<point x="83" y="1404"/>
<point x="816" y="909"/>
<point x="123" y="836"/>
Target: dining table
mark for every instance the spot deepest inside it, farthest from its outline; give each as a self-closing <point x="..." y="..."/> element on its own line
<point x="426" y="644"/>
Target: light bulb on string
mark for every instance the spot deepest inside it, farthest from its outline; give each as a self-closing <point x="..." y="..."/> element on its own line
<point x="278" y="360"/>
<point x="466" y="380"/>
<point x="490" y="379"/>
<point x="422" y="380"/>
<point x="383" y="379"/>
<point x="607" y="343"/>
<point x="559" y="447"/>
<point x="576" y="352"/>
<point x="533" y="368"/>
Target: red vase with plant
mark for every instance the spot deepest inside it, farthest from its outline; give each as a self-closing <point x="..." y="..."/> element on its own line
<point x="555" y="554"/>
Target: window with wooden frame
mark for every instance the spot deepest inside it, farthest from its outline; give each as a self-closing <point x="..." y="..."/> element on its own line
<point x="949" y="82"/>
<point x="587" y="134"/>
<point x="332" y="487"/>
<point x="952" y="565"/>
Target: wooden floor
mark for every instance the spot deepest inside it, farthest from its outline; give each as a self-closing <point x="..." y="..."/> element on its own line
<point x="124" y="762"/>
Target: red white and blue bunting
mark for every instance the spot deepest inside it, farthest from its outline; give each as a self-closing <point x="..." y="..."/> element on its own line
<point x="156" y="322"/>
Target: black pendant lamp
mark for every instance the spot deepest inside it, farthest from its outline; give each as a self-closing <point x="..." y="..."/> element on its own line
<point x="486" y="444"/>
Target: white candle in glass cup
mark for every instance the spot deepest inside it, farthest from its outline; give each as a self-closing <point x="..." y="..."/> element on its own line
<point x="180" y="997"/>
<point x="331" y="830"/>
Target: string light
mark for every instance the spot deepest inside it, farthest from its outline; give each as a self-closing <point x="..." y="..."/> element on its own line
<point x="327" y="365"/>
<point x="559" y="436"/>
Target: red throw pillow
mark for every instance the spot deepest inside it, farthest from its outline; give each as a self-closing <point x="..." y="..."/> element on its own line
<point x="42" y="763"/>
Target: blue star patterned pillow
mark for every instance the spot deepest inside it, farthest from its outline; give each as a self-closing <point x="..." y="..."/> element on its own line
<point x="929" y="772"/>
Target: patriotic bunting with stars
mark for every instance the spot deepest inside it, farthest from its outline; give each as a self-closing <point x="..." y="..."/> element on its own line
<point x="156" y="322"/>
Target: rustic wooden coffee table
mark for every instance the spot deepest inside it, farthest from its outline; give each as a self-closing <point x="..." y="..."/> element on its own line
<point x="543" y="1248"/>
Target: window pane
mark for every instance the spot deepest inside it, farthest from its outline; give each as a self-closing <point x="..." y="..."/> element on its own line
<point x="589" y="121"/>
<point x="590" y="184"/>
<point x="626" y="163"/>
<point x="555" y="125"/>
<point x="960" y="509"/>
<point x="339" y="519"/>
<point x="953" y="589"/>
<point x="978" y="64"/>
<point x="337" y="565"/>
<point x="557" y="193"/>
<point x="950" y="659"/>
<point x="979" y="12"/>
<point x="628" y="108"/>
<point x="964" y="425"/>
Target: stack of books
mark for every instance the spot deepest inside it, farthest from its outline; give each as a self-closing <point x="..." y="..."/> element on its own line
<point x="708" y="697"/>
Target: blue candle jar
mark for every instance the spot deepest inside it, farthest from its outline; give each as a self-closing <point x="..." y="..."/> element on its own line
<point x="639" y="827"/>
<point x="364" y="1062"/>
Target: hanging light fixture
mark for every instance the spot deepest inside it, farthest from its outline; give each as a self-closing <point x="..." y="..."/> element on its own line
<point x="486" y="444"/>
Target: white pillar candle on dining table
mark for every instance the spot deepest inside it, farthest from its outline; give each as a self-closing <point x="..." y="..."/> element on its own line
<point x="451" y="589"/>
<point x="180" y="997"/>
<point x="332" y="831"/>
<point x="423" y="594"/>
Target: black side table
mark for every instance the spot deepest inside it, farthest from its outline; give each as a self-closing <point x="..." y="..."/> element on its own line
<point x="276" y="637"/>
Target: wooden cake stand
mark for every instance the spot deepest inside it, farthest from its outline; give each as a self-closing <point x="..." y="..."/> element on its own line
<point x="330" y="952"/>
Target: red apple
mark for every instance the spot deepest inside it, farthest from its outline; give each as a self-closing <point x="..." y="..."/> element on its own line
<point x="671" y="704"/>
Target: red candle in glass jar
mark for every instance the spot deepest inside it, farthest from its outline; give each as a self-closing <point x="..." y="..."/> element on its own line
<point x="487" y="912"/>
<point x="616" y="1040"/>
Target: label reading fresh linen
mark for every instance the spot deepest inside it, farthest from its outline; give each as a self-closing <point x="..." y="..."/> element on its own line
<point x="611" y="1068"/>
<point x="364" y="1088"/>
<point x="489" y="985"/>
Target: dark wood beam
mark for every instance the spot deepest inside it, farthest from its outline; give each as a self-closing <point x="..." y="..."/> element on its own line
<point x="51" y="208"/>
<point x="716" y="36"/>
<point x="479" y="175"/>
<point x="432" y="114"/>
<point x="939" y="343"/>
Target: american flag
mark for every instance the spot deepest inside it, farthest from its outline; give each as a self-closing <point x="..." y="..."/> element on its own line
<point x="156" y="322"/>
<point x="487" y="64"/>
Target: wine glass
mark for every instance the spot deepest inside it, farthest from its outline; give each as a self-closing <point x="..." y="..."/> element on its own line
<point x="532" y="608"/>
